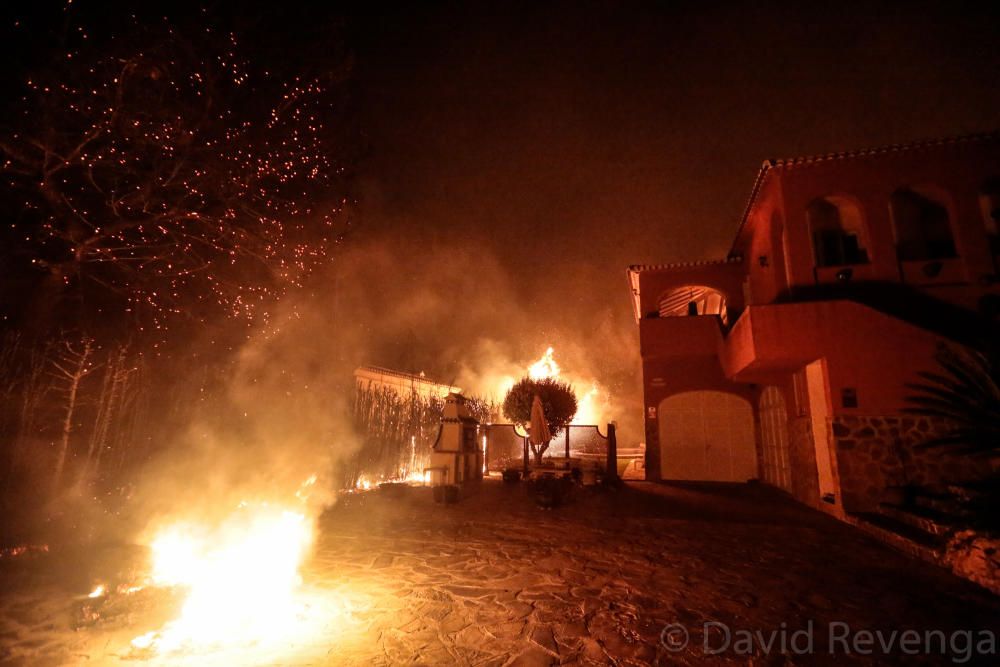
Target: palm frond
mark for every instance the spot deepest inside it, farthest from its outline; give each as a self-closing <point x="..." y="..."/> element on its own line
<point x="965" y="393"/>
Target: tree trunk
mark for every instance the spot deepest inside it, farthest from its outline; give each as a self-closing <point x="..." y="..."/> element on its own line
<point x="74" y="374"/>
<point x="108" y="408"/>
<point x="66" y="430"/>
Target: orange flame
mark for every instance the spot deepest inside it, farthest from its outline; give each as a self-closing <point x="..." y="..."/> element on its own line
<point x="590" y="403"/>
<point x="242" y="582"/>
<point x="544" y="368"/>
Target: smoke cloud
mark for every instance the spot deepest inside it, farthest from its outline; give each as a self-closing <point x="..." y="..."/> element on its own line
<point x="449" y="309"/>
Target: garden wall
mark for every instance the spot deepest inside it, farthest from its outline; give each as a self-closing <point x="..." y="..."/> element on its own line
<point x="875" y="452"/>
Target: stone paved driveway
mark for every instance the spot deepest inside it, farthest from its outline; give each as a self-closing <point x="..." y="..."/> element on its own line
<point x="495" y="581"/>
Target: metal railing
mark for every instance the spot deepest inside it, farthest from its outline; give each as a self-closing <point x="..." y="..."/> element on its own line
<point x="506" y="448"/>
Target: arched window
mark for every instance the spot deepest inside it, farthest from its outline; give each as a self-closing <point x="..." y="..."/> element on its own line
<point x="692" y="300"/>
<point x="989" y="204"/>
<point x="923" y="228"/>
<point x="838" y="232"/>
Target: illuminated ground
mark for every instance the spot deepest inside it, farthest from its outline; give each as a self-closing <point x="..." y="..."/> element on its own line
<point x="494" y="581"/>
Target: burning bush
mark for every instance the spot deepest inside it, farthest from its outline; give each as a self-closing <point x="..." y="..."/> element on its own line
<point x="396" y="432"/>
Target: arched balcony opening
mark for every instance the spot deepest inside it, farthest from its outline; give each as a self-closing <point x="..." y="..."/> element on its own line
<point x="923" y="226"/>
<point x="693" y="300"/>
<point x="838" y="232"/>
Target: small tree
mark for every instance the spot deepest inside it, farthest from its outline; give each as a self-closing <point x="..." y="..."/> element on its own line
<point x="558" y="404"/>
<point x="966" y="395"/>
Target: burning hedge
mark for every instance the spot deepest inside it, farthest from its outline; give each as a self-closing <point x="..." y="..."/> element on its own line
<point x="396" y="431"/>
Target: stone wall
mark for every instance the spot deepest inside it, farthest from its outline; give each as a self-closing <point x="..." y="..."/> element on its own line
<point x="874" y="453"/>
<point x="802" y="459"/>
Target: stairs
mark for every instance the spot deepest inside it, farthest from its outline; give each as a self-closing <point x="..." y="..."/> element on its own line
<point x="901" y="535"/>
<point x="921" y="528"/>
<point x="928" y="520"/>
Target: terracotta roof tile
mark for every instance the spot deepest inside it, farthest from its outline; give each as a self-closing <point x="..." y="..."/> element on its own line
<point x="882" y="150"/>
<point x="640" y="268"/>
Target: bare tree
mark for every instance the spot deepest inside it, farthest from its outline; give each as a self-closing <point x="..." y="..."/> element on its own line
<point x="72" y="362"/>
<point x="167" y="174"/>
<point x="116" y="386"/>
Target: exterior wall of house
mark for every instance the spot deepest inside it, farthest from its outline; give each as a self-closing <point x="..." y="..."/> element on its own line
<point x="802" y="451"/>
<point x="724" y="276"/>
<point x="868" y="353"/>
<point x="680" y="354"/>
<point x="955" y="175"/>
<point x="780" y="321"/>
<point x="764" y="251"/>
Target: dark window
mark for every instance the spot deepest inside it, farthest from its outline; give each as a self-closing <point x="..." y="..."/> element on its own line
<point x="923" y="230"/>
<point x="837" y="232"/>
<point x="849" y="397"/>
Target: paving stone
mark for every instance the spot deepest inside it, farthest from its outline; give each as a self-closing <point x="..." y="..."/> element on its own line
<point x="518" y="609"/>
<point x="383" y="560"/>
<point x="507" y="630"/>
<point x="542" y="635"/>
<point x="453" y="622"/>
<point x="534" y="657"/>
<point x="468" y="591"/>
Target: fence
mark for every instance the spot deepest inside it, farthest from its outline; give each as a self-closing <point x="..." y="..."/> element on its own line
<point x="506" y="448"/>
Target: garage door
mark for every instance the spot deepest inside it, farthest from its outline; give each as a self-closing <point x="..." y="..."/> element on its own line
<point x="707" y="436"/>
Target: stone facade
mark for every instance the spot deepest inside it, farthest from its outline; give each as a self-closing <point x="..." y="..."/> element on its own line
<point x="874" y="453"/>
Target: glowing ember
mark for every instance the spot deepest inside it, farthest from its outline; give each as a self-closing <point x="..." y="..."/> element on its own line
<point x="14" y="552"/>
<point x="242" y="578"/>
<point x="417" y="477"/>
<point x="97" y="592"/>
<point x="413" y="477"/>
<point x="304" y="490"/>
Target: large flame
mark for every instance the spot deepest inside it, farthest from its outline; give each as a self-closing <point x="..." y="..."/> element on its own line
<point x="241" y="576"/>
<point x="414" y="477"/>
<point x="591" y="403"/>
<point x="243" y="590"/>
<point x="544" y="368"/>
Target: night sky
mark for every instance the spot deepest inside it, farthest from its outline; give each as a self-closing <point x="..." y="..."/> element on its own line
<point x="612" y="133"/>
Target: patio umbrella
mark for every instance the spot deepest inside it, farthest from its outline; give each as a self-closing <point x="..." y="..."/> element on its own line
<point x="539" y="434"/>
